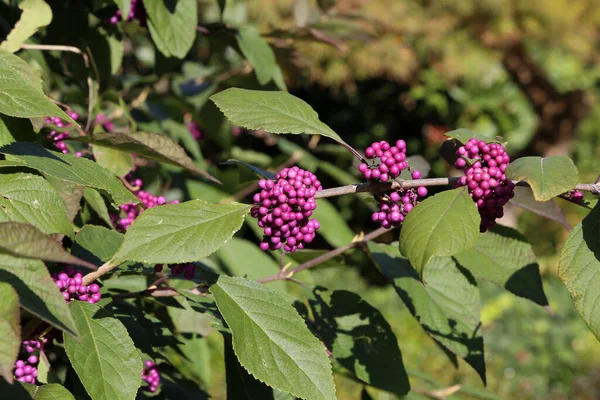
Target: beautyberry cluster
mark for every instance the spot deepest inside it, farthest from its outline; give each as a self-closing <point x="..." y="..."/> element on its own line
<point x="188" y="269"/>
<point x="151" y="375"/>
<point x="70" y="284"/>
<point x="106" y="123"/>
<point x="26" y="369"/>
<point x="484" y="166"/>
<point x="574" y="195"/>
<point x="136" y="10"/>
<point x="60" y="137"/>
<point x="389" y="161"/>
<point x="284" y="207"/>
<point x="395" y="205"/>
<point x="131" y="211"/>
<point x="195" y="130"/>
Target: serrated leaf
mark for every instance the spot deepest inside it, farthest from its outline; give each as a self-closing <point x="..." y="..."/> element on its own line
<point x="272" y="341"/>
<point x="106" y="360"/>
<point x="260" y="172"/>
<point x="36" y="14"/>
<point x="240" y="384"/>
<point x="26" y="241"/>
<point x="37" y="291"/>
<point x="333" y="226"/>
<point x="275" y="112"/>
<point x="442" y="225"/>
<point x="173" y="26"/>
<point x="10" y="330"/>
<point x="445" y="302"/>
<point x="52" y="391"/>
<point x="118" y="162"/>
<point x="96" y="244"/>
<point x="548" y="176"/>
<point x="20" y="91"/>
<point x="96" y="203"/>
<point x="359" y="338"/>
<point x="258" y="52"/>
<point x="31" y="199"/>
<point x="154" y="146"/>
<point x="547" y="209"/>
<point x="70" y="168"/>
<point x="463" y="135"/>
<point x="70" y="193"/>
<point x="177" y="233"/>
<point x="503" y="256"/>
<point x="579" y="268"/>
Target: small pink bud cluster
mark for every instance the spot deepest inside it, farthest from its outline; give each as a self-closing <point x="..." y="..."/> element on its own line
<point x="574" y="195"/>
<point x="485" y="178"/>
<point x="60" y="137"/>
<point x="70" y="284"/>
<point x="284" y="207"/>
<point x="131" y="211"/>
<point x="195" y="130"/>
<point x="151" y="375"/>
<point x="188" y="269"/>
<point x="106" y="123"/>
<point x="395" y="205"/>
<point x="26" y="370"/>
<point x="136" y="10"/>
<point x="389" y="161"/>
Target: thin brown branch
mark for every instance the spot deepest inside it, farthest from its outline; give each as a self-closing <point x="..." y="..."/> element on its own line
<point x="105" y="268"/>
<point x="287" y="274"/>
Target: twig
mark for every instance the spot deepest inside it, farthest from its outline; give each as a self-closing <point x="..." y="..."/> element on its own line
<point x="439" y="394"/>
<point x="287" y="274"/>
<point x="103" y="269"/>
<point x="86" y="62"/>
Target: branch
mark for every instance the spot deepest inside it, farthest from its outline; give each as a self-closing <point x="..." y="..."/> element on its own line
<point x="287" y="274"/>
<point x="105" y="268"/>
<point x="86" y="62"/>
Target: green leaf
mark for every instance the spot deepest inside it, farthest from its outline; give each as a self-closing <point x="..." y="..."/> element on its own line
<point x="547" y="209"/>
<point x="275" y="112"/>
<point x="10" y="330"/>
<point x="52" y="391"/>
<point x="177" y="233"/>
<point x="124" y="6"/>
<point x="96" y="244"/>
<point x="258" y="52"/>
<point x="244" y="258"/>
<point x="36" y="14"/>
<point x="240" y="384"/>
<point x="96" y="203"/>
<point x="26" y="241"/>
<point x="106" y="360"/>
<point x="445" y="303"/>
<point x="154" y="146"/>
<point x="548" y="176"/>
<point x="579" y="268"/>
<point x="117" y="162"/>
<point x="37" y="291"/>
<point x="31" y="199"/>
<point x="333" y="226"/>
<point x="173" y="25"/>
<point x="70" y="168"/>
<point x="70" y="193"/>
<point x="442" y="225"/>
<point x="271" y="341"/>
<point x="360" y="339"/>
<point x="463" y="135"/>
<point x="21" y="93"/>
<point x="504" y="256"/>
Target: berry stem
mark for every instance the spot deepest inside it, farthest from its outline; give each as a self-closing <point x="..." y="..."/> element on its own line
<point x="287" y="274"/>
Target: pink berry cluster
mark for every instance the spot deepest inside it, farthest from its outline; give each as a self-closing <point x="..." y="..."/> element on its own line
<point x="188" y="269"/>
<point x="284" y="207"/>
<point x="574" y="195"/>
<point x="26" y="370"/>
<point x="388" y="161"/>
<point x="106" y="123"/>
<point x="195" y="130"/>
<point x="70" y="284"/>
<point x="59" y="137"/>
<point x="136" y="10"/>
<point x="131" y="211"/>
<point x="484" y="166"/>
<point x="395" y="205"/>
<point x="151" y="375"/>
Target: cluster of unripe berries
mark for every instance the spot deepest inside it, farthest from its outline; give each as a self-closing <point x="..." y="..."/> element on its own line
<point x="284" y="207"/>
<point x="59" y="137"/>
<point x="151" y="375"/>
<point x="26" y="370"/>
<point x="188" y="269"/>
<point x="388" y="161"/>
<point x="131" y="211"/>
<point x="484" y="165"/>
<point x="136" y="11"/>
<point x="70" y="284"/>
<point x="195" y="130"/>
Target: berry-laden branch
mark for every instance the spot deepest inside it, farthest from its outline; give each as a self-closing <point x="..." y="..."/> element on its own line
<point x="287" y="274"/>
